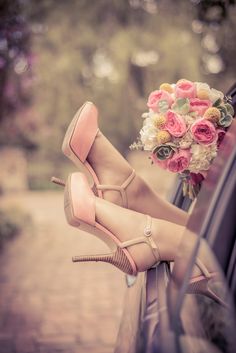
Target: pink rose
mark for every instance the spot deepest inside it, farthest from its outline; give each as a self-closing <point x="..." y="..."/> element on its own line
<point x="199" y="105"/>
<point x="221" y="134"/>
<point x="179" y="162"/>
<point x="156" y="96"/>
<point x="185" y="89"/>
<point x="204" y="132"/>
<point x="175" y="124"/>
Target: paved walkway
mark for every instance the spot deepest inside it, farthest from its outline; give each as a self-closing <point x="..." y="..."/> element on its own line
<point x="47" y="303"/>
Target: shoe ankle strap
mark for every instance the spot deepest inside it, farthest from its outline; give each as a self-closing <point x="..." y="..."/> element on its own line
<point x="120" y="188"/>
<point x="202" y="267"/>
<point x="147" y="238"/>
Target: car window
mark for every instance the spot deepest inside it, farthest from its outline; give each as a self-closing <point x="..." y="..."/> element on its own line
<point x="212" y="221"/>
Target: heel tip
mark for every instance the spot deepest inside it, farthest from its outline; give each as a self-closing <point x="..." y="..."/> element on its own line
<point x="57" y="181"/>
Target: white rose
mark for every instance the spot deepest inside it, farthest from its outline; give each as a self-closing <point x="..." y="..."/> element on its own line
<point x="202" y="157"/>
<point x="145" y="115"/>
<point x="189" y="120"/>
<point x="215" y="94"/>
<point x="186" y="141"/>
<point x="203" y="86"/>
<point x="148" y="136"/>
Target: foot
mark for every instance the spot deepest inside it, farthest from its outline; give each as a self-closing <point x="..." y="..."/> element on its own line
<point x="147" y="240"/>
<point x="167" y="236"/>
<point x="129" y="225"/>
<point x="112" y="169"/>
<point x="186" y="248"/>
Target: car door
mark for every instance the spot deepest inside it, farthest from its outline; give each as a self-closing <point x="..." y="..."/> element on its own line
<point x="159" y="320"/>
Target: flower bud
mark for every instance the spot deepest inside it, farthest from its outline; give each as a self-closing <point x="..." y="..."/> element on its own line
<point x="212" y="114"/>
<point x="163" y="137"/>
<point x="166" y="87"/>
<point x="159" y="121"/>
<point x="202" y="94"/>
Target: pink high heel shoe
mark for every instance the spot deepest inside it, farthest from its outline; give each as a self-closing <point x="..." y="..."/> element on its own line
<point x="201" y="284"/>
<point x="79" y="205"/>
<point x="77" y="143"/>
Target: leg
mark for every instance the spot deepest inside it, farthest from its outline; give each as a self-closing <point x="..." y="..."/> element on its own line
<point x="129" y="224"/>
<point x="136" y="241"/>
<point x="112" y="168"/>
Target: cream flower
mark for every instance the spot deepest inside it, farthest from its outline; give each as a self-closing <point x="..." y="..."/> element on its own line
<point x="150" y="121"/>
<point x="201" y="86"/>
<point x="215" y="94"/>
<point x="148" y="136"/>
<point x="202" y="157"/>
<point x="189" y="120"/>
<point x="185" y="141"/>
<point x="145" y="115"/>
<point x="212" y="93"/>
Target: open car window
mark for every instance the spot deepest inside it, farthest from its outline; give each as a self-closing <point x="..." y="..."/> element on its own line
<point x="161" y="315"/>
<point x="197" y="317"/>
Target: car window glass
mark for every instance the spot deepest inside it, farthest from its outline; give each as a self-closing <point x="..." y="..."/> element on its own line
<point x="199" y="301"/>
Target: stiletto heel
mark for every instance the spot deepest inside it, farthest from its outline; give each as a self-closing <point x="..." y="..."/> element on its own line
<point x="77" y="143"/>
<point x="58" y="181"/>
<point x="118" y="259"/>
<point x="79" y="205"/>
<point x="200" y="284"/>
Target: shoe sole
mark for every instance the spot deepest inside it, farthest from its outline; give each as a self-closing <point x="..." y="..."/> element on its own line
<point x="67" y="150"/>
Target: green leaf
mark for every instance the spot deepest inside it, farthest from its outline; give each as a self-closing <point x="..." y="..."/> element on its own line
<point x="173" y="145"/>
<point x="182" y="101"/>
<point x="182" y="106"/>
<point x="223" y="110"/>
<point x="226" y="120"/>
<point x="163" y="152"/>
<point x="185" y="109"/>
<point x="217" y="103"/>
<point x="229" y="108"/>
<point x="163" y="105"/>
<point x="193" y="114"/>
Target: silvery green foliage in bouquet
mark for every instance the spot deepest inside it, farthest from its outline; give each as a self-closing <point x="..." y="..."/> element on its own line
<point x="183" y="129"/>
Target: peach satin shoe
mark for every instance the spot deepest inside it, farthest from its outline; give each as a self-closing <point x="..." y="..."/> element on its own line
<point x="79" y="205"/>
<point x="77" y="143"/>
<point x="201" y="284"/>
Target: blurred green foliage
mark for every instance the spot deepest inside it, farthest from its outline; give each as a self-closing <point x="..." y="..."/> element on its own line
<point x="112" y="53"/>
<point x="90" y="52"/>
<point x="12" y="221"/>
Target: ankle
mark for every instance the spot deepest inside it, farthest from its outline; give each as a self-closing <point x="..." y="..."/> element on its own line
<point x="137" y="192"/>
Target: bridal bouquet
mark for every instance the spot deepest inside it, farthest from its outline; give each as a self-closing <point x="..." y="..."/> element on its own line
<point x="183" y="129"/>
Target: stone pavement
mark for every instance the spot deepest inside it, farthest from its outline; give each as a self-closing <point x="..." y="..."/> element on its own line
<point x="49" y="304"/>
